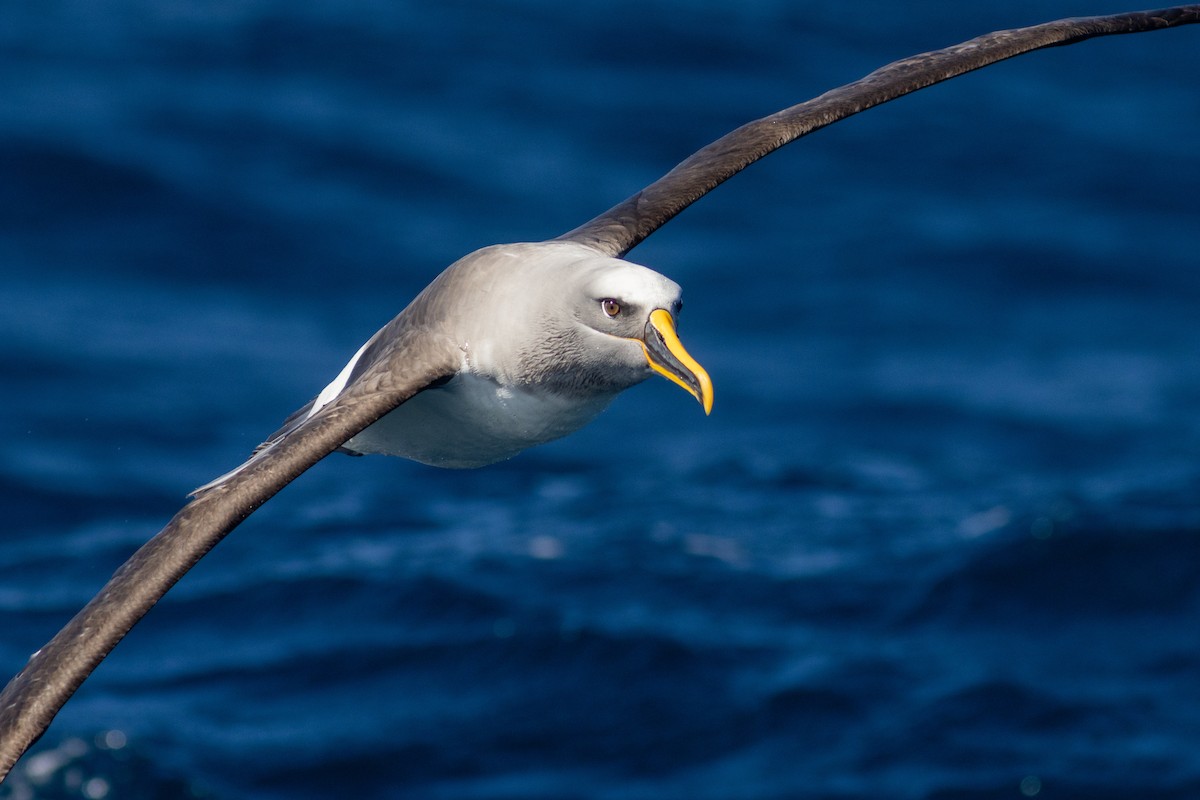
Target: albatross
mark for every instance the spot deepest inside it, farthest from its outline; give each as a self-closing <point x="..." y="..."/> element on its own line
<point x="509" y="347"/>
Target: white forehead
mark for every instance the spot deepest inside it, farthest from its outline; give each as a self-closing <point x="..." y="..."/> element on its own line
<point x="612" y="277"/>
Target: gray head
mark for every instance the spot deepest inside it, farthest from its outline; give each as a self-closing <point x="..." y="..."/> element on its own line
<point x="579" y="321"/>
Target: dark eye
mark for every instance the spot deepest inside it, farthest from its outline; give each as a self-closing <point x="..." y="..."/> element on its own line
<point x="611" y="307"/>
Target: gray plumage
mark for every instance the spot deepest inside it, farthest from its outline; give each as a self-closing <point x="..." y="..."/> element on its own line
<point x="534" y="355"/>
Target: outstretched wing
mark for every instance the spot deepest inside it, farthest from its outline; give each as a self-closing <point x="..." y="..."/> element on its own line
<point x="624" y="226"/>
<point x="411" y="361"/>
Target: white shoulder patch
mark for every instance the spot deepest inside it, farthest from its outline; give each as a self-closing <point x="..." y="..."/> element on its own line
<point x="330" y="392"/>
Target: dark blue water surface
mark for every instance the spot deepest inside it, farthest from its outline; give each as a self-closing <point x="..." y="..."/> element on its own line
<point x="940" y="537"/>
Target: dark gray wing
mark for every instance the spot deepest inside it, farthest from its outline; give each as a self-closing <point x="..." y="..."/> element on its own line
<point x="624" y="226"/>
<point x="413" y="360"/>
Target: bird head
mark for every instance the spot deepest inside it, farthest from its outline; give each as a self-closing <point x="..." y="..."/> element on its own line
<point x="626" y="315"/>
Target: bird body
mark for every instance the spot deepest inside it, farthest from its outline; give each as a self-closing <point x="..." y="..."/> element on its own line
<point x="539" y="357"/>
<point x="544" y="336"/>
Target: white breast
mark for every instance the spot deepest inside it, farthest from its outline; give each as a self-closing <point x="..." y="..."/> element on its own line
<point x="472" y="422"/>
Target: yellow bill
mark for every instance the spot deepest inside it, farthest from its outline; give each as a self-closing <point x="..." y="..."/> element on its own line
<point x="666" y="356"/>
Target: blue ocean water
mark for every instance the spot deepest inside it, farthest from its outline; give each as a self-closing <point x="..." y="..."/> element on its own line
<point x="938" y="539"/>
